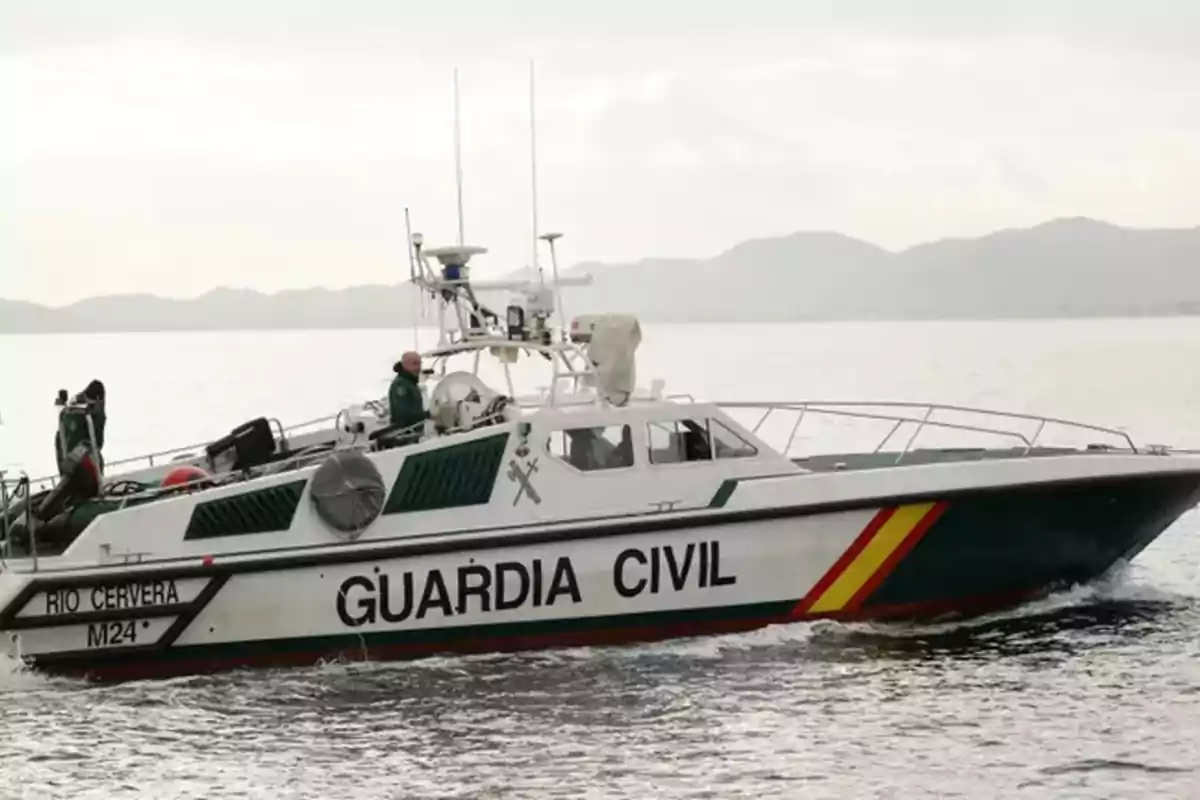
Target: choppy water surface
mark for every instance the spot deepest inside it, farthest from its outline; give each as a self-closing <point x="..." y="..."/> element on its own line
<point x="1089" y="694"/>
<point x="1092" y="693"/>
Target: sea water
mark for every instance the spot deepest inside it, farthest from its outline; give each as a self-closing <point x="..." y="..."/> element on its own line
<point x="1092" y="693"/>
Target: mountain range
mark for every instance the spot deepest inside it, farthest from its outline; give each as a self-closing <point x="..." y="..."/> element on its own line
<point x="1063" y="268"/>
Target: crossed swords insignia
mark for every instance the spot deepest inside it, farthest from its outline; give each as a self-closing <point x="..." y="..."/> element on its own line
<point x="515" y="473"/>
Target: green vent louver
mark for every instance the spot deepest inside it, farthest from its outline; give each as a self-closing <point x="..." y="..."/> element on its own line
<point x="261" y="511"/>
<point x="450" y="477"/>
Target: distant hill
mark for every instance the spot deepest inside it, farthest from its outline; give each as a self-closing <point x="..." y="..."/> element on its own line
<point x="1062" y="268"/>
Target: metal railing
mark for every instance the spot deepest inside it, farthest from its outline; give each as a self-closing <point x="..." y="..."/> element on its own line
<point x="130" y="465"/>
<point x="198" y="448"/>
<point x="22" y="492"/>
<point x="23" y="488"/>
<point x="1003" y="424"/>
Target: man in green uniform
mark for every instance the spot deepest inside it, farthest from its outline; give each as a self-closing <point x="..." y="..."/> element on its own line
<point x="405" y="404"/>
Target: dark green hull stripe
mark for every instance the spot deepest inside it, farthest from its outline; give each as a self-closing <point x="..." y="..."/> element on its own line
<point x="536" y="628"/>
<point x="724" y="492"/>
<point x="447" y="639"/>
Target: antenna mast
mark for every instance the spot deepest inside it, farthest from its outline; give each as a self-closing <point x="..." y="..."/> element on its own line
<point x="458" y="159"/>
<point x="533" y="169"/>
<point x="412" y="274"/>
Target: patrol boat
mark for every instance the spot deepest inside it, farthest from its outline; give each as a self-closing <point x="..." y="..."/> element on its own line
<point x="585" y="510"/>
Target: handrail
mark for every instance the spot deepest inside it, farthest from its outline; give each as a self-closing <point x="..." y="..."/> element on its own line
<point x="849" y="409"/>
<point x="21" y="491"/>
<point x="839" y="408"/>
<point x="900" y="421"/>
<point x="283" y="431"/>
<point x="4" y="542"/>
<point x="288" y="464"/>
<point x="565" y="348"/>
<point x="225" y="479"/>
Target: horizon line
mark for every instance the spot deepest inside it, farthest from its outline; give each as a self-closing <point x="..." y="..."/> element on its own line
<point x="586" y="262"/>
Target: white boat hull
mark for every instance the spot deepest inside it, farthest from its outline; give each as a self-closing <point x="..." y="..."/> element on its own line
<point x="639" y="578"/>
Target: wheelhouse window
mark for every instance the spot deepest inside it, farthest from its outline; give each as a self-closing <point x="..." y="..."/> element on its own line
<point x="728" y="444"/>
<point x="592" y="449"/>
<point x="676" y="441"/>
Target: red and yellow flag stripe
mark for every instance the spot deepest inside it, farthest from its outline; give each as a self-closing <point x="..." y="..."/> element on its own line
<point x="888" y="537"/>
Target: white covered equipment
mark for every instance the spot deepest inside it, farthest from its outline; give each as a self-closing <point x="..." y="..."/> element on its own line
<point x="613" y="340"/>
<point x="459" y="400"/>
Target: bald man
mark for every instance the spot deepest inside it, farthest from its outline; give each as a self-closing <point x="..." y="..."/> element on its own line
<point x="405" y="404"/>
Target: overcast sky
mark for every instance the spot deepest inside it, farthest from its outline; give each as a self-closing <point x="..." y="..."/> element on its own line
<point x="170" y="147"/>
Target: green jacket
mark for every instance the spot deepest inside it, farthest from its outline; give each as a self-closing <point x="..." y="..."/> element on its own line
<point x="405" y="404"/>
<point x="73" y="425"/>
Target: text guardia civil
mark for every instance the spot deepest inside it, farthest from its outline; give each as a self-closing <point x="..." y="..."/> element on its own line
<point x="396" y="596"/>
<point x="507" y="585"/>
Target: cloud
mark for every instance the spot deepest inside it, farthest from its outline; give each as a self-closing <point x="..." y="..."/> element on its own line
<point x="1151" y="24"/>
<point x="230" y="144"/>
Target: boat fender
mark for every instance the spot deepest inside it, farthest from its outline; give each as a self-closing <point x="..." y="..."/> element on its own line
<point x="186" y="477"/>
<point x="347" y="492"/>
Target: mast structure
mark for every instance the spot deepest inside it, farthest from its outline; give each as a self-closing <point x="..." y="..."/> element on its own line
<point x="533" y="198"/>
<point x="443" y="273"/>
<point x="458" y="175"/>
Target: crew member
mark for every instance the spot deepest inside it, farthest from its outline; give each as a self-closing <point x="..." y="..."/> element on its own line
<point x="405" y="404"/>
<point x="80" y="434"/>
<point x="77" y="445"/>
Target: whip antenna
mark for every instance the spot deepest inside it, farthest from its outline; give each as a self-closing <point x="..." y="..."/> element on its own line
<point x="533" y="169"/>
<point x="458" y="159"/>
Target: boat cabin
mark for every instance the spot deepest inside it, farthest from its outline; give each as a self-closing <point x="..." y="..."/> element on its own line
<point x="658" y="434"/>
